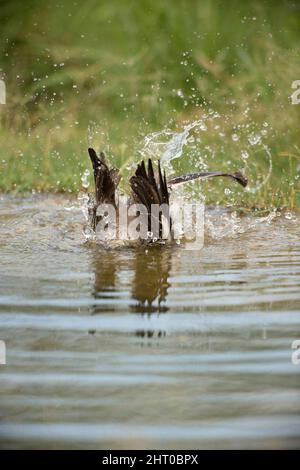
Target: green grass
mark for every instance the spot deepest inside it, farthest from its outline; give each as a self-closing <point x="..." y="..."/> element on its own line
<point x="107" y="73"/>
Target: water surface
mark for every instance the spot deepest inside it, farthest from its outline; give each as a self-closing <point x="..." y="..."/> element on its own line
<point x="157" y="348"/>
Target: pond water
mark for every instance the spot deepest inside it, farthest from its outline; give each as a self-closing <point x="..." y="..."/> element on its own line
<point x="157" y="348"/>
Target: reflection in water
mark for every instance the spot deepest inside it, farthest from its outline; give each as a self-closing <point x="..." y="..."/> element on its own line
<point x="106" y="267"/>
<point x="150" y="268"/>
<point x="150" y="282"/>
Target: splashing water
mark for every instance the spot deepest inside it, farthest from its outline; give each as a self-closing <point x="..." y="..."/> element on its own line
<point x="85" y="179"/>
<point x="173" y="142"/>
<point x="168" y="145"/>
<point x="254" y="188"/>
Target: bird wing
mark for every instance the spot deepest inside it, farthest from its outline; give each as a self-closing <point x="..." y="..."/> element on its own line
<point x="239" y="177"/>
<point x="106" y="180"/>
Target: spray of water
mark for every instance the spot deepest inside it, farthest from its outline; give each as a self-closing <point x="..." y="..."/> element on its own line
<point x="168" y="145"/>
<point x="203" y="141"/>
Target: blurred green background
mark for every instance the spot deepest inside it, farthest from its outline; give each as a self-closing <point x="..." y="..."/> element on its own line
<point x="108" y="73"/>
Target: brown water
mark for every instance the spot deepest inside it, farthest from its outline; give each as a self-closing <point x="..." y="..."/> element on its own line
<point x="157" y="348"/>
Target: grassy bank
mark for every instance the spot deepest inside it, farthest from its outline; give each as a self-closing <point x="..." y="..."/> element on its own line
<point x="109" y="73"/>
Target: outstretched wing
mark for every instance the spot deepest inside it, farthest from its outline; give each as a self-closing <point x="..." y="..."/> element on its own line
<point x="239" y="177"/>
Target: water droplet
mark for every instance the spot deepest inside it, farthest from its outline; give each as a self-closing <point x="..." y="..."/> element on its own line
<point x="84" y="179"/>
<point x="88" y="233"/>
<point x="254" y="139"/>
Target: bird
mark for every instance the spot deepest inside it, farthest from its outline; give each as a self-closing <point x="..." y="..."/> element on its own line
<point x="148" y="188"/>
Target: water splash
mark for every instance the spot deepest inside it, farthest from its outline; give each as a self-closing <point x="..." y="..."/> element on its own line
<point x="254" y="188"/>
<point x="189" y="141"/>
<point x="168" y="145"/>
<point x="223" y="223"/>
<point x="85" y="179"/>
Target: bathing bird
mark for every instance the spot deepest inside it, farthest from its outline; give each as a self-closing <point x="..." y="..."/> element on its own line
<point x="148" y="188"/>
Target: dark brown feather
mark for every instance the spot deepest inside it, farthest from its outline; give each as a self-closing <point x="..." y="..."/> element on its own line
<point x="239" y="177"/>
<point x="148" y="188"/>
<point x="106" y="180"/>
